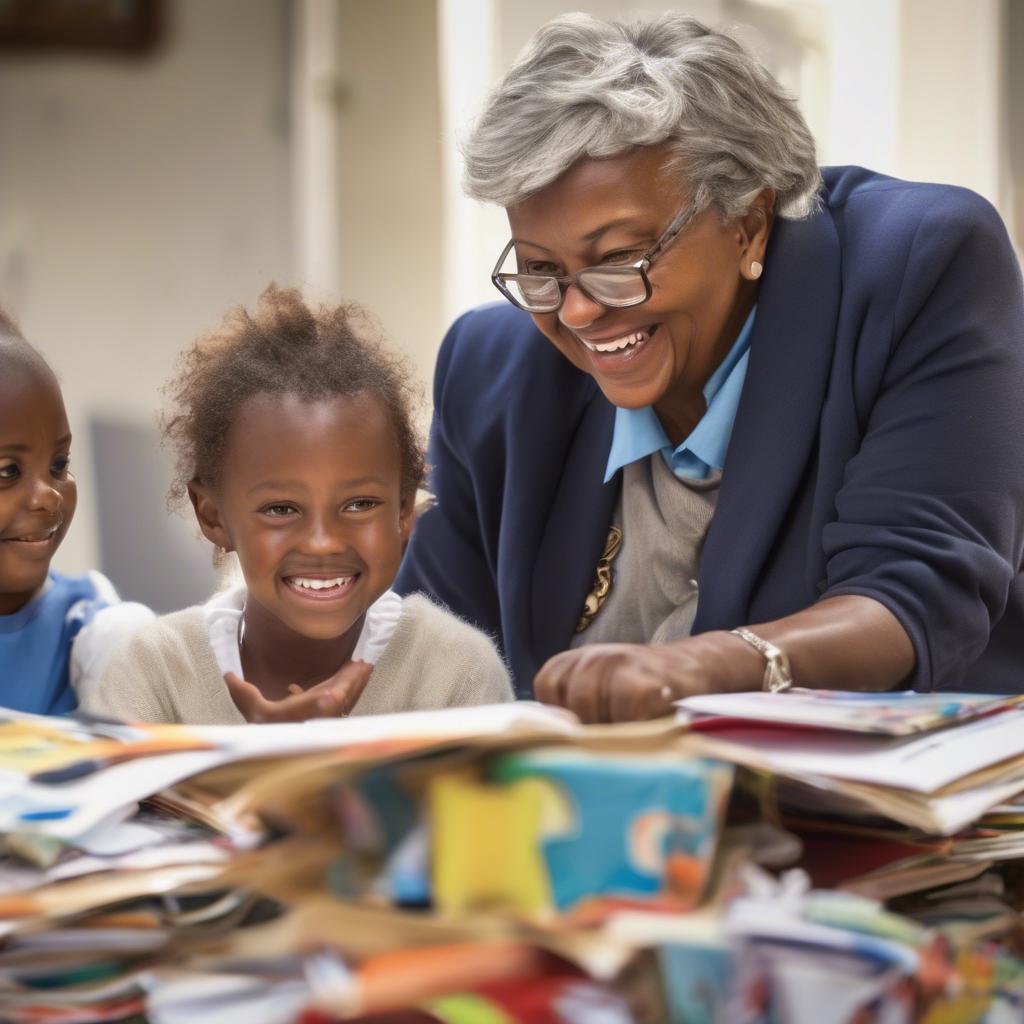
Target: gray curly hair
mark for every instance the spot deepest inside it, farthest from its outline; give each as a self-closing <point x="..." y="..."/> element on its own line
<point x="590" y="88"/>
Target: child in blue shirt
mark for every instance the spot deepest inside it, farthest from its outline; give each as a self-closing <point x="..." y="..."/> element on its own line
<point x="55" y="630"/>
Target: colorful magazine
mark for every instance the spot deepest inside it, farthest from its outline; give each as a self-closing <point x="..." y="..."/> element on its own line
<point x="887" y="714"/>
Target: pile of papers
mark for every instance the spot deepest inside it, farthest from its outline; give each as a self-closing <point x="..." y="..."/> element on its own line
<point x="761" y="858"/>
<point x="931" y="761"/>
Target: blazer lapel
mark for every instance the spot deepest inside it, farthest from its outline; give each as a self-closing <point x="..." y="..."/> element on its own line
<point x="575" y="533"/>
<point x="776" y="425"/>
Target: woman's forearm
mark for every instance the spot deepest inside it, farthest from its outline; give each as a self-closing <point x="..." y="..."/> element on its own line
<point x="842" y="643"/>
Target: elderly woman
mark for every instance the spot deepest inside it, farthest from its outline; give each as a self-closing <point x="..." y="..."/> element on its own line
<point x="740" y="423"/>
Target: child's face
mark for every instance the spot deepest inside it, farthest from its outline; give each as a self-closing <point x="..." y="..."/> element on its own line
<point x="37" y="492"/>
<point x="310" y="499"/>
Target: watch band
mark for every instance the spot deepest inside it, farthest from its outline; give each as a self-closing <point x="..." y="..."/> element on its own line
<point x="777" y="674"/>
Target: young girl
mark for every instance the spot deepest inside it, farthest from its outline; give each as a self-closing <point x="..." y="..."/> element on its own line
<point x="55" y="630"/>
<point x="295" y="444"/>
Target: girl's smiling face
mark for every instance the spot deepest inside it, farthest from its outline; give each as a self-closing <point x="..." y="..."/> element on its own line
<point x="310" y="500"/>
<point x="37" y="491"/>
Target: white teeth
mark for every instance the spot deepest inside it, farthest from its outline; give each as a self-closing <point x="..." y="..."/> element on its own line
<point x="35" y="538"/>
<point x="312" y="584"/>
<point x="614" y="346"/>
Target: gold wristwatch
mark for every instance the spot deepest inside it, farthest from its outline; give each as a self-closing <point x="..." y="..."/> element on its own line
<point x="777" y="674"/>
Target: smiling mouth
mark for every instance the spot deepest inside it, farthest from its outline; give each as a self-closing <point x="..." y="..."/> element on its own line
<point x="321" y="588"/>
<point x="623" y="342"/>
<point x="39" y="539"/>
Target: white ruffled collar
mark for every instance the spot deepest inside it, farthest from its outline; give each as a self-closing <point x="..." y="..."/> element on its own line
<point x="224" y="610"/>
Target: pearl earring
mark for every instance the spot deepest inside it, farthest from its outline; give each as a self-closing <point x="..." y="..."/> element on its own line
<point x="756" y="269"/>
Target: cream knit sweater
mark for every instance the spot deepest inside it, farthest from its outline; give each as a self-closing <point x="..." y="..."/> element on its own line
<point x="167" y="672"/>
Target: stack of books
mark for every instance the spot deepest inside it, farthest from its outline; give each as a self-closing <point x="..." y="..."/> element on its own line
<point x="760" y="858"/>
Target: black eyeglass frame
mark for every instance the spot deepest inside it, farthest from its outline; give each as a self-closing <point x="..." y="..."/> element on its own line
<point x="641" y="266"/>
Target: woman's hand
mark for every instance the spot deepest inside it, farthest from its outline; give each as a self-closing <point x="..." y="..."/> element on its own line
<point x="629" y="682"/>
<point x="333" y="698"/>
<point x="841" y="643"/>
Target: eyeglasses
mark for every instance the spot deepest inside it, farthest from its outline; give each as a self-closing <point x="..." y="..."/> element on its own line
<point x="618" y="286"/>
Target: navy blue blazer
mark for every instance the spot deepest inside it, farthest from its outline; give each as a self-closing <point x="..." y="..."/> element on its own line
<point x="878" y="448"/>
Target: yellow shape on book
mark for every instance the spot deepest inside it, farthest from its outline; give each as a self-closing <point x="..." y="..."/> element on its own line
<point x="486" y="844"/>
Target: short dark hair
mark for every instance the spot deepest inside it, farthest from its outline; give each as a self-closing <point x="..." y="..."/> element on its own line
<point x="284" y="347"/>
<point x="8" y="328"/>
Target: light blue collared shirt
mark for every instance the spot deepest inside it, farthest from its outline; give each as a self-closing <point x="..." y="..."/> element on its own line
<point x="638" y="432"/>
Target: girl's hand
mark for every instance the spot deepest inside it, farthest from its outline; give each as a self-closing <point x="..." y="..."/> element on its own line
<point x="333" y="698"/>
<point x="630" y="682"/>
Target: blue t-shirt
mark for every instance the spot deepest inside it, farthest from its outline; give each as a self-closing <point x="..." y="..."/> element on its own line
<point x="35" y="643"/>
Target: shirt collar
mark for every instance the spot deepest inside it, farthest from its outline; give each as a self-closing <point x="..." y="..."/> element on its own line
<point x="638" y="432"/>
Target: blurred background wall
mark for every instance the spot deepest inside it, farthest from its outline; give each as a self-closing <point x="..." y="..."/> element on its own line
<point x="314" y="141"/>
<point x="140" y="196"/>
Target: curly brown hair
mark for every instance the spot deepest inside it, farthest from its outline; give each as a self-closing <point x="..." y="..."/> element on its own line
<point x="284" y="347"/>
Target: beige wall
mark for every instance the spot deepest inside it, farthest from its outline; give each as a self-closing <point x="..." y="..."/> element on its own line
<point x="953" y="94"/>
<point x="390" y="216"/>
<point x="137" y="201"/>
<point x="920" y="89"/>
